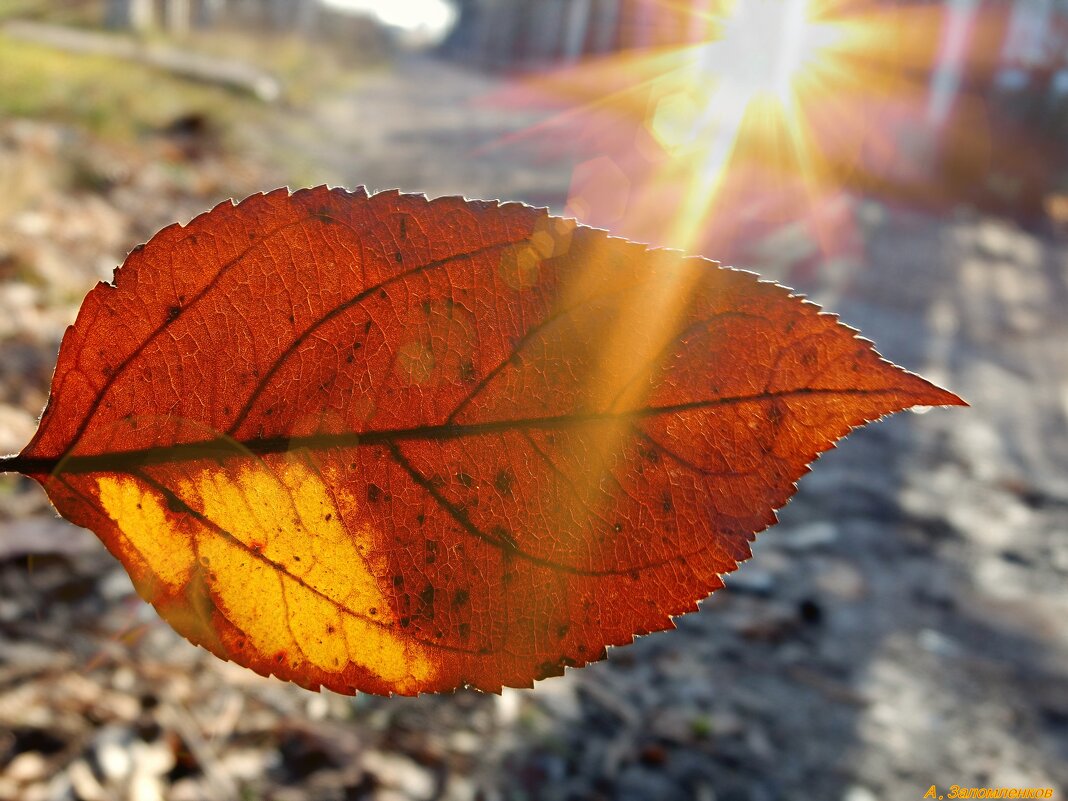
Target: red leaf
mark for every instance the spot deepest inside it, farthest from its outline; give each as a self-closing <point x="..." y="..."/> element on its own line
<point x="393" y="445"/>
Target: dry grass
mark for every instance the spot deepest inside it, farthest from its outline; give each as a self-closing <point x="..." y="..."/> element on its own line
<point x="109" y="97"/>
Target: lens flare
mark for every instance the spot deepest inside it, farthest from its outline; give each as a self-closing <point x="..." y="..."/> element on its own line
<point x="742" y="85"/>
<point x="767" y="101"/>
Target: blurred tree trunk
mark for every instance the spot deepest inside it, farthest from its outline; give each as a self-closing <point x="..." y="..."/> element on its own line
<point x="136" y="15"/>
<point x="207" y="14"/>
<point x="177" y="16"/>
<point x="606" y="26"/>
<point x="543" y="33"/>
<point x="575" y="28"/>
<point x="308" y="16"/>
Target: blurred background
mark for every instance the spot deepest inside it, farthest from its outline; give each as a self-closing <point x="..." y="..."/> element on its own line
<point x="904" y="163"/>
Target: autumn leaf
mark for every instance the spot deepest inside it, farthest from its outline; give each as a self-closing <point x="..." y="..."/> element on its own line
<point x="393" y="445"/>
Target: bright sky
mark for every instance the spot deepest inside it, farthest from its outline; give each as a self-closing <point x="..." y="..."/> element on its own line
<point x="427" y="18"/>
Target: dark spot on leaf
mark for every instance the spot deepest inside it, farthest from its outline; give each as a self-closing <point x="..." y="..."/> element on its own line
<point x="776" y="412"/>
<point x="459" y="598"/>
<point x="373" y="493"/>
<point x="465" y="479"/>
<point x="173" y="312"/>
<point x="467" y="370"/>
<point x="426" y="597"/>
<point x="503" y="482"/>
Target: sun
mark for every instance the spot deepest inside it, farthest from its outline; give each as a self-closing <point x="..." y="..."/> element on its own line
<point x="674" y="130"/>
<point x="767" y="102"/>
<point x="748" y="85"/>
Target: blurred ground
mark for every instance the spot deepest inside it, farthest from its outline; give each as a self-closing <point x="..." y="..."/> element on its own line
<point x="903" y="626"/>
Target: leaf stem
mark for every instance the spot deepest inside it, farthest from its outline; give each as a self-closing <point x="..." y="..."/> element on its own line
<point x="13" y="464"/>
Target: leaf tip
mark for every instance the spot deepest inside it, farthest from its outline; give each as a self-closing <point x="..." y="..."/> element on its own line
<point x="947" y="398"/>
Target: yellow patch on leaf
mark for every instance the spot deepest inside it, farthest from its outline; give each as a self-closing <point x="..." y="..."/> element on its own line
<point x="141" y="518"/>
<point x="300" y="584"/>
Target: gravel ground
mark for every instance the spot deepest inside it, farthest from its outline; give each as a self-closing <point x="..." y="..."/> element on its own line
<point x="903" y="626"/>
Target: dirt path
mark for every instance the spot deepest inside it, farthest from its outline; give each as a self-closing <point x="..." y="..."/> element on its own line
<point x="426" y="126"/>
